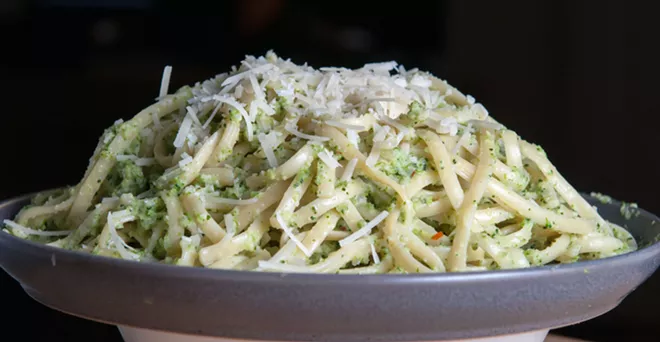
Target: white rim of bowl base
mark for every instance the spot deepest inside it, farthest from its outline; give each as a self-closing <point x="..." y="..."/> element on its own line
<point x="131" y="334"/>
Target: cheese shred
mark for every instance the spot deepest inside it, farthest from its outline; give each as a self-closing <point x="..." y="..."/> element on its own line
<point x="280" y="167"/>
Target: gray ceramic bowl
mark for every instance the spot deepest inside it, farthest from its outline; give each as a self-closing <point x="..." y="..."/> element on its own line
<point x="296" y="307"/>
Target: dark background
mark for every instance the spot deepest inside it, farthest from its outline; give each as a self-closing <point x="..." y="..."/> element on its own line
<point x="578" y="77"/>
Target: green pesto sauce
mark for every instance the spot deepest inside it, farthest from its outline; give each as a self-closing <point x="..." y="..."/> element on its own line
<point x="324" y="249"/>
<point x="125" y="177"/>
<point x="148" y="212"/>
<point x="402" y="165"/>
<point x="416" y="114"/>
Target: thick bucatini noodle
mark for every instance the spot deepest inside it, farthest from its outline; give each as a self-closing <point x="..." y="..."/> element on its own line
<point x="281" y="167"/>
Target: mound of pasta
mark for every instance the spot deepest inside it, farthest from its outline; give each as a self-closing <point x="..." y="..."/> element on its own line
<point x="281" y="167"/>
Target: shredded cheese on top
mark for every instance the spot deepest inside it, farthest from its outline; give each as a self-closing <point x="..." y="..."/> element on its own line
<point x="374" y="254"/>
<point x="463" y="139"/>
<point x="381" y="133"/>
<point x="291" y="236"/>
<point x="185" y="159"/>
<point x="120" y="245"/>
<point x="165" y="81"/>
<point x="184" y="130"/>
<point x="30" y="231"/>
<point x="231" y="102"/>
<point x="342" y="125"/>
<point x="192" y="112"/>
<point x="268" y="142"/>
<point x="291" y="128"/>
<point x="201" y="141"/>
<point x="230" y="224"/>
<point x="328" y="159"/>
<point x="364" y="231"/>
<point x="348" y="171"/>
<point x="352" y="137"/>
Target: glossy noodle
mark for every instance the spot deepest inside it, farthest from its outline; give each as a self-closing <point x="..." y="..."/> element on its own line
<point x="282" y="167"/>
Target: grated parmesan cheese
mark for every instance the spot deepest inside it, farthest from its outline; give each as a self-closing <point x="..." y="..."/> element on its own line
<point x="434" y="116"/>
<point x="373" y="157"/>
<point x="256" y="88"/>
<point x="401" y="128"/>
<point x="344" y="125"/>
<point x="183" y="132"/>
<point x="239" y="107"/>
<point x="485" y="124"/>
<point x="193" y="115"/>
<point x="185" y="159"/>
<point x="215" y="111"/>
<point x="381" y="134"/>
<point x="29" y="231"/>
<point x="353" y="137"/>
<point x="286" y="106"/>
<point x="138" y="161"/>
<point x="291" y="236"/>
<point x="420" y="81"/>
<point x="463" y="139"/>
<point x="125" y="157"/>
<point x="238" y="92"/>
<point x="109" y="200"/>
<point x="328" y="159"/>
<point x="381" y="66"/>
<point x="364" y="231"/>
<point x="165" y="81"/>
<point x="145" y="161"/>
<point x="348" y="171"/>
<point x="447" y="125"/>
<point x="230" y="224"/>
<point x="234" y="79"/>
<point x="291" y="128"/>
<point x="378" y="140"/>
<point x="268" y="142"/>
<point x="374" y="255"/>
<point x="480" y="109"/>
<point x="120" y="245"/>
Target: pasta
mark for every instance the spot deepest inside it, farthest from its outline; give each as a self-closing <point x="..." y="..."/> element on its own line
<point x="283" y="168"/>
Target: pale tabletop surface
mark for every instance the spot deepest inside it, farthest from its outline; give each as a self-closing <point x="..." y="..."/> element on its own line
<point x="557" y="338"/>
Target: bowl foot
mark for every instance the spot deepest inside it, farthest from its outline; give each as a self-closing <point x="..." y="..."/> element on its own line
<point x="131" y="334"/>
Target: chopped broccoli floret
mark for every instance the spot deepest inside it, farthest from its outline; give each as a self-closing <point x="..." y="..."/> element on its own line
<point x="125" y="177"/>
<point x="402" y="165"/>
<point x="416" y="114"/>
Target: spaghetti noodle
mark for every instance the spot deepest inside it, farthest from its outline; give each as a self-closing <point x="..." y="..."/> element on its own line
<point x="281" y="167"/>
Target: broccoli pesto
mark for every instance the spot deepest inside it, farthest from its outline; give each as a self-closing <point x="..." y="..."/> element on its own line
<point x="416" y="114"/>
<point x="279" y="167"/>
<point x="124" y="178"/>
<point x="401" y="165"/>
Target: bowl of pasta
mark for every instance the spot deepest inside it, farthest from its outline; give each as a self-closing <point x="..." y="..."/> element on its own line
<point x="279" y="202"/>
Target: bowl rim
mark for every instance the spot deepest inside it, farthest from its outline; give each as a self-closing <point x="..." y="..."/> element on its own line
<point x="171" y="270"/>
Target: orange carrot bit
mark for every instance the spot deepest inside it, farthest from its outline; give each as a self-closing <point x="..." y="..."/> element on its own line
<point x="437" y="236"/>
